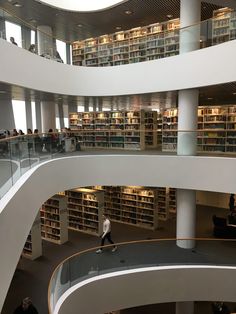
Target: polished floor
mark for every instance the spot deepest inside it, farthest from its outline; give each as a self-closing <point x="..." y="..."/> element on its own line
<point x="31" y="277"/>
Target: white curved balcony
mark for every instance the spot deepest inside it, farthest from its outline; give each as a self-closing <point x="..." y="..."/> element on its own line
<point x="190" y="70"/>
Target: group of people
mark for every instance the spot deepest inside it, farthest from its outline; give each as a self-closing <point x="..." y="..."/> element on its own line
<point x="32" y="48"/>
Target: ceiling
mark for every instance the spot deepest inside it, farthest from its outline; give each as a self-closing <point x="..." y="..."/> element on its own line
<point x="72" y="26"/>
<point x="211" y="95"/>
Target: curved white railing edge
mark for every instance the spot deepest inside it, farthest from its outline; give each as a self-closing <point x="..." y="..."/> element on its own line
<point x="159" y="284"/>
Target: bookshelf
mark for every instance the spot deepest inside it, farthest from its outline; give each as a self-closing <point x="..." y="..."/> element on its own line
<point x="216" y="126"/>
<point x="223" y="25"/>
<point x="138" y="44"/>
<point x="108" y="129"/>
<point x="33" y="245"/>
<point x="169" y="129"/>
<point x="133" y="205"/>
<point x="163" y="203"/>
<point x="172" y="200"/>
<point x="85" y="208"/>
<point x="54" y="227"/>
<point x="150" y="125"/>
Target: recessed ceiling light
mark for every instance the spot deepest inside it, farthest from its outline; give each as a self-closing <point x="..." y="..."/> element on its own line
<point x="118" y="27"/>
<point x="17" y="4"/>
<point x="32" y="20"/>
<point x="169" y="16"/>
<point x="209" y="98"/>
<point x="234" y="93"/>
<point x="128" y="12"/>
<point x="79" y="25"/>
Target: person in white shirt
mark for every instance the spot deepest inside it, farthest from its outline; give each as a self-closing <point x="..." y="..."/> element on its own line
<point x="106" y="234"/>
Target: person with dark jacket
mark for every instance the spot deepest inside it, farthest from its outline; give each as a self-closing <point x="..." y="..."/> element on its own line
<point x="26" y="307"/>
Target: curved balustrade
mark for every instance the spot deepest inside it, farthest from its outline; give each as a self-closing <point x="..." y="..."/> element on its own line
<point x="153" y="50"/>
<point x="21" y="153"/>
<point x="85" y="267"/>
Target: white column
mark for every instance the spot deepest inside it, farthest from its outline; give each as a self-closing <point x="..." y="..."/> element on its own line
<point x="186" y="218"/>
<point x="187" y="122"/>
<point x="45" y="41"/>
<point x="184" y="308"/>
<point x="190" y="16"/>
<point x="48" y="116"/>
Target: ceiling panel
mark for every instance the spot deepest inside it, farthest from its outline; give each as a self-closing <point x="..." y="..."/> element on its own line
<point x="65" y="23"/>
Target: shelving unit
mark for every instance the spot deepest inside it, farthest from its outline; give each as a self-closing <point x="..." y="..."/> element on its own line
<point x="223" y="25"/>
<point x="150" y="124"/>
<point x="85" y="208"/>
<point x="54" y="227"/>
<point x="159" y="128"/>
<point x="112" y="129"/>
<point x="216" y="125"/>
<point x="230" y="143"/>
<point x="33" y="245"/>
<point x="172" y="200"/>
<point x="169" y="129"/>
<point x="163" y="203"/>
<point x="138" y="44"/>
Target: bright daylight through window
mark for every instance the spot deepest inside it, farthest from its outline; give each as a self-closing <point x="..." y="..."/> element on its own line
<point x="82" y="5"/>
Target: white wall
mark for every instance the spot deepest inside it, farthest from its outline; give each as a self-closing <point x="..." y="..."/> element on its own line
<point x="209" y="66"/>
<point x="19" y="207"/>
<point x="213" y="199"/>
<point x="149" y="286"/>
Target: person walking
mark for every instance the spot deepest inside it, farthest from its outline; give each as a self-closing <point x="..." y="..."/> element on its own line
<point x="106" y="234"/>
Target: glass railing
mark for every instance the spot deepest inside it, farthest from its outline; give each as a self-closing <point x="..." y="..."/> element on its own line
<point x="20" y="153"/>
<point x="150" y="45"/>
<point x="133" y="255"/>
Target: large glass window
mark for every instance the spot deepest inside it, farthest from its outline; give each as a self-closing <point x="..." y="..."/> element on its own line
<point x="14" y="31"/>
<point x="19" y="113"/>
<point x="61" y="48"/>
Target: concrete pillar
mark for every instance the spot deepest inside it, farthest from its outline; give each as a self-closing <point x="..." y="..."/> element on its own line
<point x="45" y="41"/>
<point x="7" y="121"/>
<point x="187" y="122"/>
<point x="26" y="37"/>
<point x="190" y="16"/>
<point x="38" y="115"/>
<point x="190" y="13"/>
<point x="68" y="56"/>
<point x="28" y="111"/>
<point x="61" y="115"/>
<point x="48" y="115"/>
<point x="186" y="218"/>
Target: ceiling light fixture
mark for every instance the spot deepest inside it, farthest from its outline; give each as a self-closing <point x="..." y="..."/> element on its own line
<point x="169" y="16"/>
<point x="128" y="12"/>
<point x="209" y="98"/>
<point x="118" y="27"/>
<point x="79" y="25"/>
<point x="234" y="93"/>
<point x="17" y="4"/>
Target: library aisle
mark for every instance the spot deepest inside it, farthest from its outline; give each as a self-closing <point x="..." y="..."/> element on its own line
<point x="31" y="277"/>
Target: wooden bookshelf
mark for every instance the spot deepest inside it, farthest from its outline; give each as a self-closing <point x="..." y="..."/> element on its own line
<point x="216" y="126"/>
<point x="222" y="27"/>
<point x="33" y="245"/>
<point x="163" y="203"/>
<point x="108" y="129"/>
<point x="172" y="200"/>
<point x="85" y="208"/>
<point x="150" y="126"/>
<point x="54" y="227"/>
<point x="138" y="44"/>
